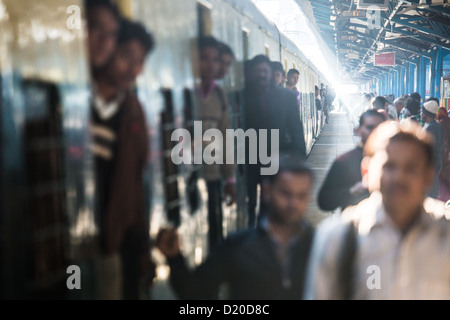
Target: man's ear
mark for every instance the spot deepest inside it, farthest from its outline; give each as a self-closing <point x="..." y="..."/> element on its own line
<point x="364" y="170"/>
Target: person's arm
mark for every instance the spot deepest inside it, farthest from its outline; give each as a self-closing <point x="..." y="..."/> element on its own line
<point x="335" y="192"/>
<point x="200" y="283"/>
<point x="295" y="126"/>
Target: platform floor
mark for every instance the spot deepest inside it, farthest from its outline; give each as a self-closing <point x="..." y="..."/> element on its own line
<point x="335" y="139"/>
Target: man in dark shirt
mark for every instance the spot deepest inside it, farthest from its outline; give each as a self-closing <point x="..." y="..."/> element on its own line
<point x="343" y="186"/>
<point x="263" y="263"/>
<point x="269" y="107"/>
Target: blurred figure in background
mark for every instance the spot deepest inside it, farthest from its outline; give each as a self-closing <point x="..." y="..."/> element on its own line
<point x="343" y="185"/>
<point x="444" y="178"/>
<point x="212" y="110"/>
<point x="103" y="23"/>
<point x="279" y="75"/>
<point x="120" y="147"/>
<point x="318" y="108"/>
<point x="411" y="110"/>
<point x="373" y="251"/>
<point x="267" y="106"/>
<point x="399" y="104"/>
<point x="380" y="103"/>
<point x="291" y="84"/>
<point x="266" y="263"/>
<point x="227" y="58"/>
<point x="428" y="115"/>
<point x="324" y="102"/>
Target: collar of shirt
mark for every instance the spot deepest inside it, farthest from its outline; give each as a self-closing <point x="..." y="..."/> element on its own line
<point x="264" y="224"/>
<point x="105" y="109"/>
<point x="378" y="217"/>
<point x="209" y="89"/>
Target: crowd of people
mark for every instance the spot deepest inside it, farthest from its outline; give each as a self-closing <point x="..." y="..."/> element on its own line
<point x="382" y="185"/>
<point x="430" y="116"/>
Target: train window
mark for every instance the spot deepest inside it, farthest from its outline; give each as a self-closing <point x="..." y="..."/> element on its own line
<point x="294" y="66"/>
<point x="267" y="51"/>
<point x="286" y="64"/>
<point x="245" y="44"/>
<point x="204" y="19"/>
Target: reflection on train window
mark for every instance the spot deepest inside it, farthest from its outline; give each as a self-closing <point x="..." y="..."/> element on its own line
<point x="204" y="19"/>
<point x="245" y="46"/>
<point x="170" y="174"/>
<point x="46" y="213"/>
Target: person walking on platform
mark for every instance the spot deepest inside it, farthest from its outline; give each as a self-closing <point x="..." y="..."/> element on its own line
<point x="120" y="148"/>
<point x="343" y="184"/>
<point x="411" y="110"/>
<point x="266" y="263"/>
<point x="325" y="105"/>
<point x="428" y="115"/>
<point x="395" y="244"/>
<point x="269" y="107"/>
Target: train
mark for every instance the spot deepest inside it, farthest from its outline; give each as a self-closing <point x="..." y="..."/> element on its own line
<point x="47" y="221"/>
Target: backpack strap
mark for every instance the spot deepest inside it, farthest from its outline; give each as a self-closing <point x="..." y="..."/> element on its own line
<point x="346" y="262"/>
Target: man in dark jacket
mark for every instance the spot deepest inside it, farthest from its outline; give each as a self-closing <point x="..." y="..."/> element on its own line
<point x="263" y="263"/>
<point x="267" y="106"/>
<point x="343" y="184"/>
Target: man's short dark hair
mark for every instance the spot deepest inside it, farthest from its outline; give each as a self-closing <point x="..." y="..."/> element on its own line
<point x="225" y="49"/>
<point x="278" y="67"/>
<point x="290" y="163"/>
<point x="413" y="106"/>
<point x="130" y="30"/>
<point x="260" y="58"/>
<point x="370" y="113"/>
<point x="208" y="42"/>
<point x="293" y="71"/>
<point x="379" y="103"/>
<point x="107" y="4"/>
<point x="416" y="96"/>
<point x="405" y="131"/>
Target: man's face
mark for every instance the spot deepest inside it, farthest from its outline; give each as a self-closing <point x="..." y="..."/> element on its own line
<point x="102" y="35"/>
<point x="288" y="197"/>
<point x="262" y="75"/>
<point x="317" y="92"/>
<point x="209" y="63"/>
<point x="226" y="60"/>
<point x="402" y="175"/>
<point x="127" y="64"/>
<point x="278" y="77"/>
<point x="293" y="79"/>
<point x="369" y="124"/>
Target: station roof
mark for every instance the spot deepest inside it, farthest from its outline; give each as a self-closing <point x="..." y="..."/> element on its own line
<point x="409" y="28"/>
